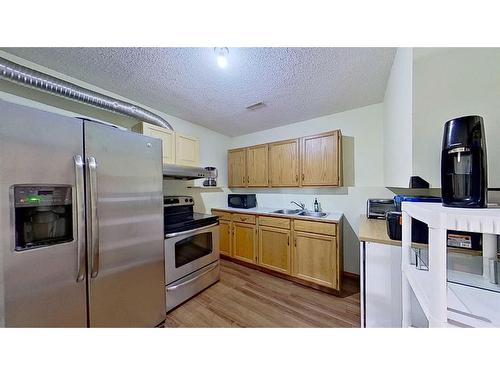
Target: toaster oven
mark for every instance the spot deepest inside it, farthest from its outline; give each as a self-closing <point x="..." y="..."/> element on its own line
<point x="377" y="208"/>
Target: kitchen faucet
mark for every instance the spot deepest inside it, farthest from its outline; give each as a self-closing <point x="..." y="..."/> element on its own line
<point x="301" y="205"/>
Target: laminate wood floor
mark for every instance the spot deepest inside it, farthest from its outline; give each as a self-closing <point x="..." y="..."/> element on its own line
<point x="246" y="297"/>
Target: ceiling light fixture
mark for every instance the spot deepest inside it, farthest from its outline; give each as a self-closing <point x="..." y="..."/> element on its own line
<point x="221" y="53"/>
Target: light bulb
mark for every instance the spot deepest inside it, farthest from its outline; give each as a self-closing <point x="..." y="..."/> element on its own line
<point x="222" y="61"/>
<point x="221" y="53"/>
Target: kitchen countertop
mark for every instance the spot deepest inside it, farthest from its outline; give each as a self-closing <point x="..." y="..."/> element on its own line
<point x="333" y="217"/>
<point x="373" y="230"/>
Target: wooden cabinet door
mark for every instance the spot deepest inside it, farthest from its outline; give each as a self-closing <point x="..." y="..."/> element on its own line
<point x="257" y="166"/>
<point x="225" y="237"/>
<point x="167" y="137"/>
<point x="284" y="163"/>
<point x="187" y="150"/>
<point x="320" y="159"/>
<point x="315" y="259"/>
<point x="236" y="163"/>
<point x="274" y="249"/>
<point x="244" y="242"/>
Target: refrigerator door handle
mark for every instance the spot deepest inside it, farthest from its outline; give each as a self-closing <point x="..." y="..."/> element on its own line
<point x="80" y="217"/>
<point x="94" y="219"/>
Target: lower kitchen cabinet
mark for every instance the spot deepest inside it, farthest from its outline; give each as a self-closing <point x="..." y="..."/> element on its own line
<point x="315" y="259"/>
<point x="245" y="242"/>
<point x="274" y="249"/>
<point x="225" y="237"/>
<point x="304" y="251"/>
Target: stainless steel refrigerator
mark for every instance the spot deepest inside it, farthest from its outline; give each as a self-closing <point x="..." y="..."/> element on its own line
<point x="81" y="223"/>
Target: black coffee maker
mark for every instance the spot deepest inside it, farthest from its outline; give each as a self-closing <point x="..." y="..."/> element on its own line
<point x="464" y="180"/>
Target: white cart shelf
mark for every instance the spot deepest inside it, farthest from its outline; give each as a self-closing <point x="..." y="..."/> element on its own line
<point x="466" y="300"/>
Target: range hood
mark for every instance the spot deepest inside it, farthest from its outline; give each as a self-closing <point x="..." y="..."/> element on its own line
<point x="180" y="172"/>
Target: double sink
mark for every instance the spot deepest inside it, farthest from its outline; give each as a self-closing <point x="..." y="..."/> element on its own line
<point x="300" y="212"/>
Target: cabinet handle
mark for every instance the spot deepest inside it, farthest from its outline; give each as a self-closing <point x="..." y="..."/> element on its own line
<point x="302" y="176"/>
<point x="288" y="240"/>
<point x="248" y="180"/>
<point x="243" y="218"/>
<point x="296" y="177"/>
<point x="295" y="242"/>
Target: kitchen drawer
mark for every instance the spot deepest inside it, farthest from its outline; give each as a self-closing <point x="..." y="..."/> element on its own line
<point x="243" y="218"/>
<point x="223" y="215"/>
<point x="277" y="222"/>
<point x="329" y="229"/>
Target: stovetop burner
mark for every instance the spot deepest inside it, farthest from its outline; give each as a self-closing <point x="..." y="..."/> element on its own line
<point x="179" y="215"/>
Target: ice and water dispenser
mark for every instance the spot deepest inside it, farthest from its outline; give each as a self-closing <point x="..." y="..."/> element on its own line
<point x="43" y="216"/>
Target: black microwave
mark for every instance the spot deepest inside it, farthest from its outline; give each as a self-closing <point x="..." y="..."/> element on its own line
<point x="241" y="200"/>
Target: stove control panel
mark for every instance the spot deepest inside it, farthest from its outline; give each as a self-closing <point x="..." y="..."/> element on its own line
<point x="178" y="200"/>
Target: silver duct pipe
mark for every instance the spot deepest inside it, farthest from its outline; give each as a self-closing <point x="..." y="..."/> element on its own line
<point x="16" y="73"/>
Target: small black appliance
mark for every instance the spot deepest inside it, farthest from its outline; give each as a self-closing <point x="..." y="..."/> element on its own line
<point x="419" y="230"/>
<point x="241" y="200"/>
<point x="464" y="180"/>
<point x="417" y="182"/>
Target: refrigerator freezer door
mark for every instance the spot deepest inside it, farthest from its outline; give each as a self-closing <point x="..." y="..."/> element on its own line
<point x="38" y="286"/>
<point x="125" y="221"/>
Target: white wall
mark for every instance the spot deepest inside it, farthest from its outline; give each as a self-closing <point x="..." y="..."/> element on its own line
<point x="449" y="83"/>
<point x="363" y="170"/>
<point x="397" y="130"/>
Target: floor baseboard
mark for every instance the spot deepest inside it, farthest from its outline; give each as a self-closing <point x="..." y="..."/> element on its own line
<point x="351" y="275"/>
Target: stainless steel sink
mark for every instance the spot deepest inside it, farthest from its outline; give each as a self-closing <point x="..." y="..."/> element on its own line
<point x="286" y="211"/>
<point x="313" y="214"/>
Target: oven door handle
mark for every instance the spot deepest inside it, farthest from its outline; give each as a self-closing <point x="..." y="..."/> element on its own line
<point x="170" y="235"/>
<point x="174" y="287"/>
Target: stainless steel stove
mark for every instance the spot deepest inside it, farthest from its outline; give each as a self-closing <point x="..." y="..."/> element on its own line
<point x="191" y="250"/>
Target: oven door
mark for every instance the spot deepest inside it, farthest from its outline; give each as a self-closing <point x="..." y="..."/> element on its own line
<point x="188" y="251"/>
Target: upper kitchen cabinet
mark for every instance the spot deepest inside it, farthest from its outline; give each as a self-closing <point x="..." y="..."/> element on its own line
<point x="309" y="161"/>
<point x="167" y="137"/>
<point x="236" y="161"/>
<point x="257" y="166"/>
<point x="321" y="159"/>
<point x="187" y="150"/>
<point x="284" y="163"/>
<point x="177" y="148"/>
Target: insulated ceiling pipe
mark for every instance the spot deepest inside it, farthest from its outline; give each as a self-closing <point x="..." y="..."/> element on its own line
<point x="16" y="73"/>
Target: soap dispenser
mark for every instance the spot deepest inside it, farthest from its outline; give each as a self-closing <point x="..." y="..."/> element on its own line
<point x="316" y="205"/>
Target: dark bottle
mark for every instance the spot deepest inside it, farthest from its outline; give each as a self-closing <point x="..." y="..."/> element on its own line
<point x="464" y="180"/>
<point x="316" y="205"/>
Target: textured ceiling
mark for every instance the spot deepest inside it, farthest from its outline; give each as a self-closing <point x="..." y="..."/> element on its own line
<point x="295" y="83"/>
